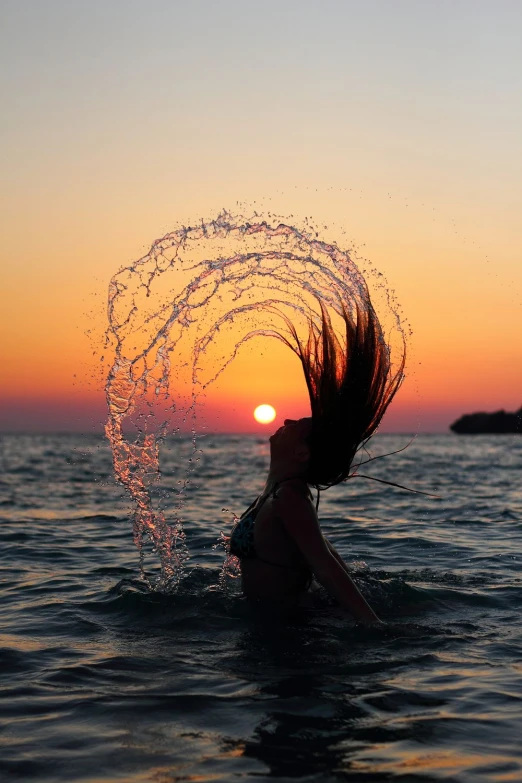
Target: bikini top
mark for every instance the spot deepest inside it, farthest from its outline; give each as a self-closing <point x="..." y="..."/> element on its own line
<point x="242" y="542"/>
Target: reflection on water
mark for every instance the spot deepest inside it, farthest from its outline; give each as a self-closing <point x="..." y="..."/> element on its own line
<point x="105" y="680"/>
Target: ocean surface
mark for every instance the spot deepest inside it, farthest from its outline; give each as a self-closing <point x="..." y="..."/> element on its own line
<point x="104" y="680"/>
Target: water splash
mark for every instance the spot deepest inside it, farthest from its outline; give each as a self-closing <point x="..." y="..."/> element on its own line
<point x="231" y="566"/>
<point x="178" y="317"/>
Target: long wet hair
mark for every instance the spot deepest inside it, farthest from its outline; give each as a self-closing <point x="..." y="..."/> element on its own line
<point x="351" y="382"/>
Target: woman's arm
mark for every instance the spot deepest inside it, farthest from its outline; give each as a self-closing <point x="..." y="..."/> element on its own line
<point x="300" y="520"/>
<point x="335" y="553"/>
<point x="340" y="584"/>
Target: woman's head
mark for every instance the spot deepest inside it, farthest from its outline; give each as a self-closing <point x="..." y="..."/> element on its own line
<point x="289" y="444"/>
<point x="350" y="383"/>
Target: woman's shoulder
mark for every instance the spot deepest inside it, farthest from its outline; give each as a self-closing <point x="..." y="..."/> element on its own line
<point x="293" y="504"/>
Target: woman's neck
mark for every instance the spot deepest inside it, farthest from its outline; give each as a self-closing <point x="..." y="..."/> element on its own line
<point x="283" y="472"/>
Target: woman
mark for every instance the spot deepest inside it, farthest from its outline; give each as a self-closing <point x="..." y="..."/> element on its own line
<point x="350" y="384"/>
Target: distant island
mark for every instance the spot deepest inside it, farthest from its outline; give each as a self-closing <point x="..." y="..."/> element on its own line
<point x="500" y="422"/>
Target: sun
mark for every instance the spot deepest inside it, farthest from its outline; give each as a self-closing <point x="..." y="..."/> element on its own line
<point x="264" y="414"/>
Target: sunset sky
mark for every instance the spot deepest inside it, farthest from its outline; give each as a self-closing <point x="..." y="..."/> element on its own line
<point x="397" y="124"/>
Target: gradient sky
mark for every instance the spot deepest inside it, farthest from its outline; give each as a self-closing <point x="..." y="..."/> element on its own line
<point x="398" y="124"/>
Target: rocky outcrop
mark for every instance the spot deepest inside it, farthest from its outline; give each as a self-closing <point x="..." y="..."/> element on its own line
<point x="499" y="422"/>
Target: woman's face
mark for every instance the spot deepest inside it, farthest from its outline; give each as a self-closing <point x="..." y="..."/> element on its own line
<point x="290" y="440"/>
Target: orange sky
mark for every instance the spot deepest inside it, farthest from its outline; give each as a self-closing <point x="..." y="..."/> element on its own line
<point x="406" y="144"/>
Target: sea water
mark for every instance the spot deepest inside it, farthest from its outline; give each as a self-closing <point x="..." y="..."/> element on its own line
<point x="104" y="679"/>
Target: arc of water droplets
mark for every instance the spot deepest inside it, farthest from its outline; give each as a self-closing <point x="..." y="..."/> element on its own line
<point x="216" y="285"/>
